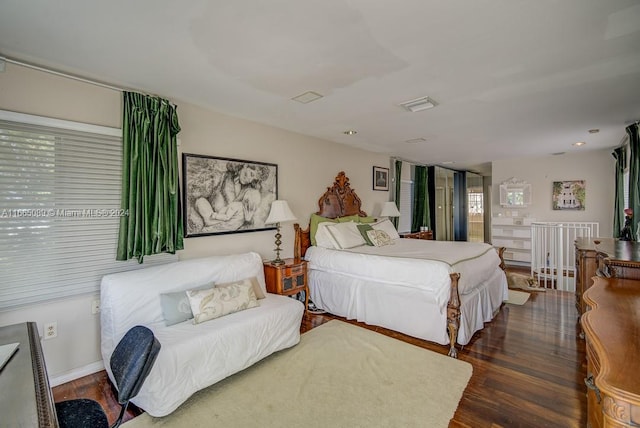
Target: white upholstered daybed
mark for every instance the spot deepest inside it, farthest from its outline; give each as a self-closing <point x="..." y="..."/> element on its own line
<point x="194" y="356"/>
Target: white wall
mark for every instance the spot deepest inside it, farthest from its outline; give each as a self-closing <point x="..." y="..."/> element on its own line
<point x="596" y="167"/>
<point x="306" y="167"/>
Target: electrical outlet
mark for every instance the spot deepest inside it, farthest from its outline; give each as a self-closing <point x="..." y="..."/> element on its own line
<point x="50" y="330"/>
<point x="95" y="306"/>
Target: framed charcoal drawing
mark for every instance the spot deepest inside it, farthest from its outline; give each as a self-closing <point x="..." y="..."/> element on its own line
<point x="223" y="195"/>
<point x="380" y="178"/>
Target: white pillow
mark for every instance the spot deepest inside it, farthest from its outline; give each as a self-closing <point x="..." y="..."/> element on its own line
<point x="324" y="239"/>
<point x="346" y="234"/>
<point x="388" y="227"/>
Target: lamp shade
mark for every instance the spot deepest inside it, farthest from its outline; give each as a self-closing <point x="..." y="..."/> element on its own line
<point x="389" y="209"/>
<point x="280" y="212"/>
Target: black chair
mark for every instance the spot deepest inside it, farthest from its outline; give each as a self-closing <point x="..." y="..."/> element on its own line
<point x="130" y="363"/>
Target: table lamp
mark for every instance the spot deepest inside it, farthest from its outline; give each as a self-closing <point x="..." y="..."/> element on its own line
<point x="389" y="209"/>
<point x="280" y="212"/>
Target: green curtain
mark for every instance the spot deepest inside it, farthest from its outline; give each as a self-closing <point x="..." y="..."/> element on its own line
<point x="634" y="175"/>
<point x="421" y="214"/>
<point x="150" y="186"/>
<point x="398" y="182"/>
<point x="620" y="155"/>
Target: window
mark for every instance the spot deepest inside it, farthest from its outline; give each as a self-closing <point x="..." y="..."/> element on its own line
<point x="406" y="206"/>
<point x="475" y="216"/>
<point x="59" y="208"/>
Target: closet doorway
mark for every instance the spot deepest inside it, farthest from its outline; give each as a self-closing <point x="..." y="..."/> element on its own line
<point x="475" y="208"/>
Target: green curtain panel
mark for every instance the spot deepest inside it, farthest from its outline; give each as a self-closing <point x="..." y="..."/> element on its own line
<point x="620" y="155"/>
<point x="634" y="175"/>
<point x="421" y="214"/>
<point x="398" y="182"/>
<point x="150" y="186"/>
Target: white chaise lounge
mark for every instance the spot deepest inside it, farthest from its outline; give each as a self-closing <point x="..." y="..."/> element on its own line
<point x="194" y="356"/>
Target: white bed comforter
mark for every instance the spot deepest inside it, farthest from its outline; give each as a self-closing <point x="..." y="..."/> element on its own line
<point x="413" y="263"/>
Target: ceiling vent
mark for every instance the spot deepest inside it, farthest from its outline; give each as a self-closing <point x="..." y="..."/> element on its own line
<point x="416" y="140"/>
<point x="418" y="104"/>
<point x="307" y="97"/>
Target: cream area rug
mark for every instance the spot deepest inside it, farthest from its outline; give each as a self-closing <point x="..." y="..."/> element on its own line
<point x="517" y="297"/>
<point x="339" y="375"/>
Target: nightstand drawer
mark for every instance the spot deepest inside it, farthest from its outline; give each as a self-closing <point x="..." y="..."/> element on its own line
<point x="293" y="278"/>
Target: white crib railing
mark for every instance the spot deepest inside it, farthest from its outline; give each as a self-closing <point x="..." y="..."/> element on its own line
<point x="553" y="252"/>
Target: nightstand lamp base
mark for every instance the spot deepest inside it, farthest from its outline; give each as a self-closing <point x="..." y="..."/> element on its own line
<point x="279" y="212"/>
<point x="277" y="261"/>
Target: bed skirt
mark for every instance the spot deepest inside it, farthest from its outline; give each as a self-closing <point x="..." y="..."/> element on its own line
<point x="405" y="309"/>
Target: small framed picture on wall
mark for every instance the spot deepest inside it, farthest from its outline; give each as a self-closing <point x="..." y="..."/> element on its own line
<point x="380" y="178"/>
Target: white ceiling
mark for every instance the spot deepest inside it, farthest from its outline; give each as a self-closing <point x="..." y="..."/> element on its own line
<point x="512" y="78"/>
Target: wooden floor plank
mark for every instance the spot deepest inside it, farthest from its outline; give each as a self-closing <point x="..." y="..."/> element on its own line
<point x="528" y="368"/>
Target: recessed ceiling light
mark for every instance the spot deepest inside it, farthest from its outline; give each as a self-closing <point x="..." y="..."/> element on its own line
<point x="579" y="143"/>
<point x="416" y="140"/>
<point x="594" y="131"/>
<point x="350" y="132"/>
<point x="307" y="97"/>
<point x="419" y="104"/>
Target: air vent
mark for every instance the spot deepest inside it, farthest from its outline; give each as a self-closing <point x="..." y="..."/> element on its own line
<point x="416" y="140"/>
<point x="307" y="97"/>
<point x="418" y="104"/>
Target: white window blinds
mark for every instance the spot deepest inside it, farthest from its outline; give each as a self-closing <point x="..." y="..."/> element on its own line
<point x="59" y="208"/>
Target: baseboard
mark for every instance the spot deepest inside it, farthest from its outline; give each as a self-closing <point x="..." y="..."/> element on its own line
<point x="76" y="373"/>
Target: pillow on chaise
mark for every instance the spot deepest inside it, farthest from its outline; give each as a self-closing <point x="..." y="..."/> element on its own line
<point x="175" y="305"/>
<point x="220" y="301"/>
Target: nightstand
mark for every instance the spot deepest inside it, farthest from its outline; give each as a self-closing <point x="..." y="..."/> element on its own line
<point x="287" y="279"/>
<point x="425" y="234"/>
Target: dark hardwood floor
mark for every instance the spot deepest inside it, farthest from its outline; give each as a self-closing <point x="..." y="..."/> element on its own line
<point x="528" y="368"/>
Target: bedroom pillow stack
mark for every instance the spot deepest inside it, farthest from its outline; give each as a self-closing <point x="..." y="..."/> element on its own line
<point x="345" y="235"/>
<point x="320" y="237"/>
<point x="316" y="220"/>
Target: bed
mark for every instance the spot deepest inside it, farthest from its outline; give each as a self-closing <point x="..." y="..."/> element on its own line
<point x="438" y="291"/>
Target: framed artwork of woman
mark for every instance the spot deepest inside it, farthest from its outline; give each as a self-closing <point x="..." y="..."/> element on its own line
<point x="224" y="195"/>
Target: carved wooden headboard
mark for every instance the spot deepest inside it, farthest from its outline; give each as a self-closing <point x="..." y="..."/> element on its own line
<point x="338" y="201"/>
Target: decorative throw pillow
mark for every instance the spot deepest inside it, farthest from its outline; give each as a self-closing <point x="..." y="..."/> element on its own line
<point x="254" y="284"/>
<point x="175" y="306"/>
<point x="388" y="227"/>
<point x="379" y="238"/>
<point x="220" y="301"/>
<point x="364" y="228"/>
<point x="314" y="221"/>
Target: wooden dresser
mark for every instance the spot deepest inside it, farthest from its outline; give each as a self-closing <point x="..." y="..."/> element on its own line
<point x="423" y="234"/>
<point x="612" y="331"/>
<point x="26" y="400"/>
<point x="586" y="266"/>
<point x="604" y="257"/>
